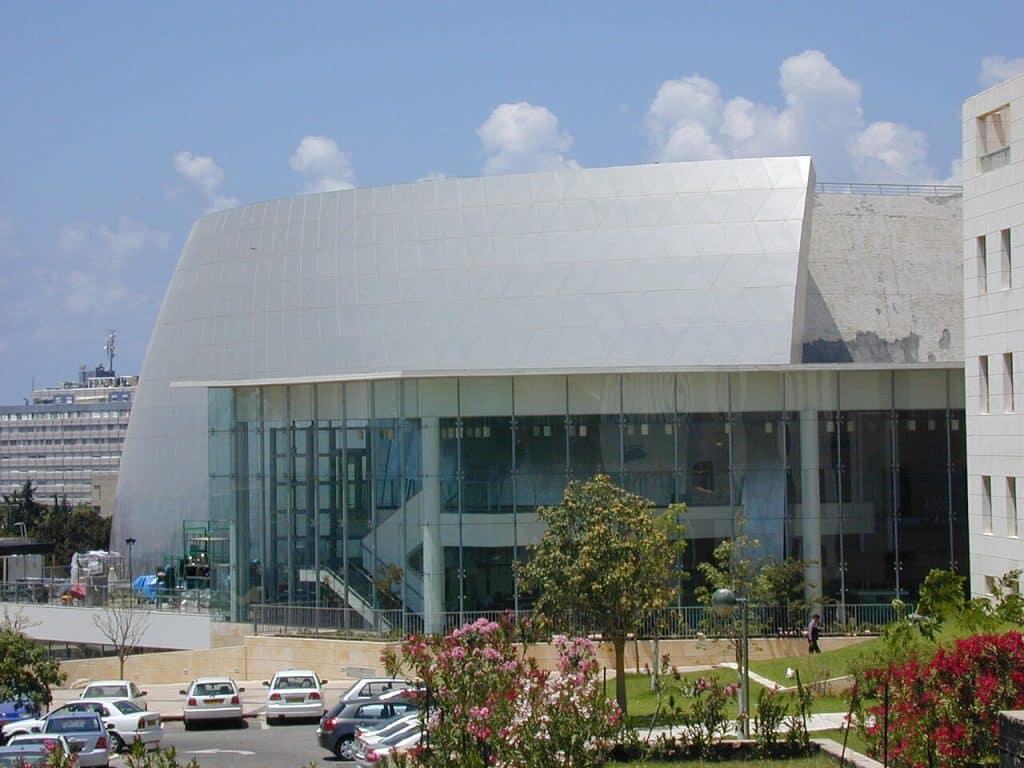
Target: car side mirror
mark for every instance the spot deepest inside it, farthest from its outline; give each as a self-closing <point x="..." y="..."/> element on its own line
<point x="266" y="683"/>
<point x="323" y="682"/>
<point x="241" y="690"/>
<point x="145" y="693"/>
<point x="36" y="729"/>
<point x="183" y="693"/>
<point x="110" y="726"/>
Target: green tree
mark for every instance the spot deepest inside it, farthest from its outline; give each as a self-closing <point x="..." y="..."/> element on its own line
<point x="761" y="581"/>
<point x="942" y="595"/>
<point x="21" y="506"/>
<point x="26" y="671"/>
<point x="782" y="583"/>
<point x="605" y="563"/>
<point x="73" y="530"/>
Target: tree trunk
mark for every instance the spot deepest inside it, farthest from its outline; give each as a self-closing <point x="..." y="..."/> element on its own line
<point x="620" y="673"/>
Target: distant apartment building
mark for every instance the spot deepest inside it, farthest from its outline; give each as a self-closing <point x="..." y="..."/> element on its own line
<point x="67" y="440"/>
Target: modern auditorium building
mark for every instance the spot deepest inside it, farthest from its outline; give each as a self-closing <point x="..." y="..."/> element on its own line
<point x="391" y="380"/>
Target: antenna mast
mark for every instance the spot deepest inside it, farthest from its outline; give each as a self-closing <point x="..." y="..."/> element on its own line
<point x="110" y="349"/>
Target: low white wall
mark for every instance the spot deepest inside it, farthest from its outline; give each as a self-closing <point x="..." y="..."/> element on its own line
<point x="72" y="624"/>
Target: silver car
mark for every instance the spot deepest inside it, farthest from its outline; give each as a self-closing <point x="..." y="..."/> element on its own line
<point x="86" y="734"/>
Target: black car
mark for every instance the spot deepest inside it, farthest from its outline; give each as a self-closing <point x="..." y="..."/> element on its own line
<point x="337" y="728"/>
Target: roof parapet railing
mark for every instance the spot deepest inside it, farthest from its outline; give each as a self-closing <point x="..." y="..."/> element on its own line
<point x="926" y="190"/>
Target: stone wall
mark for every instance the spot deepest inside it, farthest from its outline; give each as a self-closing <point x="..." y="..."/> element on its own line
<point x="258" y="658"/>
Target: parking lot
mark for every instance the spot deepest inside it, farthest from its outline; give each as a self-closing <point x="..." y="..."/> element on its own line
<point x="257" y="744"/>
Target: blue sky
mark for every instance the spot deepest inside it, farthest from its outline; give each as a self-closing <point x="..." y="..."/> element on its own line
<point x="121" y="123"/>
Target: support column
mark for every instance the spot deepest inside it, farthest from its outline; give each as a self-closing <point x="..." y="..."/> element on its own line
<point x="810" y="505"/>
<point x="430" y="520"/>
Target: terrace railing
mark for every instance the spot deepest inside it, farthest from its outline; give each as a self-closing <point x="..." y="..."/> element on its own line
<point x="921" y="190"/>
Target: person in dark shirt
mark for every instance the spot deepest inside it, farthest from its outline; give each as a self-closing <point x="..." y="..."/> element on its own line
<point x="813" y="633"/>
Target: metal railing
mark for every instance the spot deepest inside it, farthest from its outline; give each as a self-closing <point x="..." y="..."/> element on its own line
<point x="304" y="619"/>
<point x="58" y="591"/>
<point x="683" y="622"/>
<point x="856" y="188"/>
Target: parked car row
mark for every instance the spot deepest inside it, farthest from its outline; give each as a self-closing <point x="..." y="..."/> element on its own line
<point x="374" y="716"/>
<point x="367" y="706"/>
<point x="109" y="716"/>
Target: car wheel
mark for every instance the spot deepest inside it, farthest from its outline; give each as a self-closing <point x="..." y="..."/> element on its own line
<point x="345" y="748"/>
<point x="188" y="725"/>
<point x="116" y="743"/>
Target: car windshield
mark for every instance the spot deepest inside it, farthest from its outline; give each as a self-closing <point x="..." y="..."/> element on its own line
<point x="106" y="692"/>
<point x="128" y="707"/>
<point x="214" y="689"/>
<point x="71" y="724"/>
<point x="403" y="734"/>
<point x="399" y="726"/>
<point x="294" y="681"/>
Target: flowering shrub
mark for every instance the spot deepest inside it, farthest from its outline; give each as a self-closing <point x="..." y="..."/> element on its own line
<point x="944" y="712"/>
<point x="697" y="707"/>
<point x="777" y="708"/>
<point x="487" y="705"/>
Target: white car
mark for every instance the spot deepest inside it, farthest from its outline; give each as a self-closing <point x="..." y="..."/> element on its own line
<point x="210" y="699"/>
<point x="125" y="722"/>
<point x="118" y="690"/>
<point x="384" y="751"/>
<point x="295" y="693"/>
<point x="394" y="730"/>
<point x="371" y="687"/>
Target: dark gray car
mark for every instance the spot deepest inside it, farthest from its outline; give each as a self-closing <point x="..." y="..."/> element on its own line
<point x="337" y="728"/>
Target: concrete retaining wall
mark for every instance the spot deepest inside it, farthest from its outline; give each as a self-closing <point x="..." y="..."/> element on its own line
<point x="257" y="658"/>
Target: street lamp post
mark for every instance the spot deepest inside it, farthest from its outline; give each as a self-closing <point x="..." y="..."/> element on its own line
<point x="724" y="602"/>
<point x="130" y="542"/>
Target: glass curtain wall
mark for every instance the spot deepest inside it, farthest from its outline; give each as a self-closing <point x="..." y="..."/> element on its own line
<point x="418" y="496"/>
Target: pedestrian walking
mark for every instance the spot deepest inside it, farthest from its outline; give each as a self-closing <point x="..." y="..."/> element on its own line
<point x="813" y="633"/>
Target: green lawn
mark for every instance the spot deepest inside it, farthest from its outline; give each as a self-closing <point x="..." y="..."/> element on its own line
<point x="643" y="702"/>
<point x="820" y="666"/>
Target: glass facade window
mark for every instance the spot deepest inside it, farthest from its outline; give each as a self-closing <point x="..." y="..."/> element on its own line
<point x="417" y="497"/>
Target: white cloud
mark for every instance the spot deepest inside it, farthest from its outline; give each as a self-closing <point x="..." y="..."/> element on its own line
<point x="689" y="119"/>
<point x="524" y="137"/>
<point x="325" y="166"/>
<point x="106" y="246"/>
<point x="995" y="69"/>
<point x="204" y="172"/>
<point x="99" y="261"/>
<point x="87" y="294"/>
<point x="886" y="146"/>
